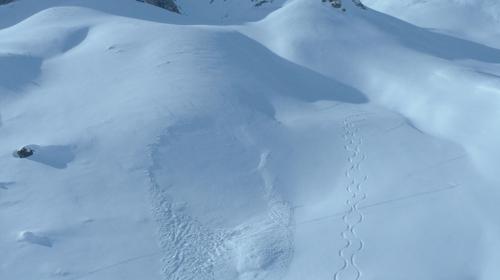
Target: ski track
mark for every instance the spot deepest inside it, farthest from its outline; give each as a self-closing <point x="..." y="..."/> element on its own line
<point x="353" y="216"/>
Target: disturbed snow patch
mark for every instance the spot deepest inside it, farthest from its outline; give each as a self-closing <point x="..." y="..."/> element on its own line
<point x="33" y="238"/>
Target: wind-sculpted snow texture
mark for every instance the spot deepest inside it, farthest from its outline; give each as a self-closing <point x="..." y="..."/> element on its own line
<point x="255" y="140"/>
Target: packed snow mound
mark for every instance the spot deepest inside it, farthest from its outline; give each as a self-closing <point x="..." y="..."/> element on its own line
<point x="315" y="143"/>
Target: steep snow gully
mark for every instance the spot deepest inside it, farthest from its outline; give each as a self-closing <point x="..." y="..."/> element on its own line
<point x="286" y="140"/>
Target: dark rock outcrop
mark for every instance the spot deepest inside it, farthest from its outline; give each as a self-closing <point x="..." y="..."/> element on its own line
<point x="172" y="6"/>
<point x="338" y="3"/>
<point x="5" y="1"/>
<point x="24" y="152"/>
<point x="165" y="4"/>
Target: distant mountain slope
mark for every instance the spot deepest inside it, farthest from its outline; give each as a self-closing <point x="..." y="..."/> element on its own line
<point x="191" y="12"/>
<point x="477" y="20"/>
<point x="228" y="11"/>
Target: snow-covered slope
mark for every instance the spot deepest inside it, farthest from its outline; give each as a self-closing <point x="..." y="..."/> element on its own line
<point x="312" y="144"/>
<point x="227" y="11"/>
<point x="478" y="20"/>
<point x="448" y="86"/>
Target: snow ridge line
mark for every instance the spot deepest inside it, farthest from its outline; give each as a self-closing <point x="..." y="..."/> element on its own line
<point x="353" y="216"/>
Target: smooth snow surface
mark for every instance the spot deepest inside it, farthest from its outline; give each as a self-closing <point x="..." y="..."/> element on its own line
<point x="477" y="20"/>
<point x="310" y="143"/>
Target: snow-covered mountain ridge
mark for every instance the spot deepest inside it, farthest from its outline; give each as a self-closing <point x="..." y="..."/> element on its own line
<point x="310" y="143"/>
<point x="476" y="20"/>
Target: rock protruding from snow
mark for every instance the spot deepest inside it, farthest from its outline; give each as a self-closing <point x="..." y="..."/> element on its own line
<point x="338" y="3"/>
<point x="335" y="3"/>
<point x="24" y="152"/>
<point x="261" y="2"/>
<point x="165" y="4"/>
<point x="359" y="4"/>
